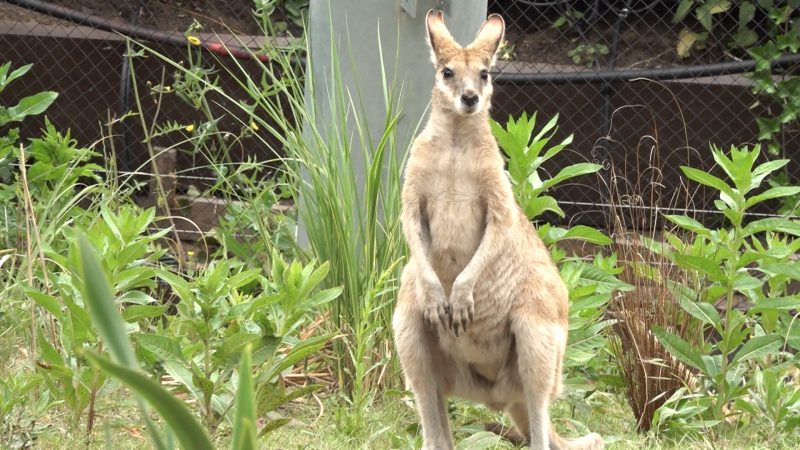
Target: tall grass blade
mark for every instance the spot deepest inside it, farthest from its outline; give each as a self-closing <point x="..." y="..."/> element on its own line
<point x="244" y="428"/>
<point x="189" y="433"/>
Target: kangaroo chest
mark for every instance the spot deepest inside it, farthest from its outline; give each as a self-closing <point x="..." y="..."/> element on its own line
<point x="455" y="213"/>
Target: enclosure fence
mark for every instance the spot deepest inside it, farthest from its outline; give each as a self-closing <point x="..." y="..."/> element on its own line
<point x="645" y="86"/>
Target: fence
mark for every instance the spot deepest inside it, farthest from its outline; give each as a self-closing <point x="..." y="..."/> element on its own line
<point x="644" y="85"/>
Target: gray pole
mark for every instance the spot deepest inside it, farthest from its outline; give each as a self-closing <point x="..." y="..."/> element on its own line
<point x="357" y="26"/>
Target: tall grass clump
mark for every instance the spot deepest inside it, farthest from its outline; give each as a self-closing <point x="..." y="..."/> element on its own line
<point x="350" y="215"/>
<point x="649" y="373"/>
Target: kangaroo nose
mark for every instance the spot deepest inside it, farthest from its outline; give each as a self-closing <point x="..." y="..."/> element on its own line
<point x="469" y="99"/>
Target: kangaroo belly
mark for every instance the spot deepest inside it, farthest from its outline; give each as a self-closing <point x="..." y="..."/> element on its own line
<point x="456" y="227"/>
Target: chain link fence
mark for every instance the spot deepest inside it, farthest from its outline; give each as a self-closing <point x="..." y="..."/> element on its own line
<point x="645" y="86"/>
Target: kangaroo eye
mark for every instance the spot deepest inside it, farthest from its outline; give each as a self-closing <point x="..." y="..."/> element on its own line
<point x="447" y="73"/>
<point x="484" y="75"/>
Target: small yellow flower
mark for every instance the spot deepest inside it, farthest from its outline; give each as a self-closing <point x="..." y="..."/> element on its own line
<point x="193" y="40"/>
<point x="254" y="126"/>
<point x="190" y="128"/>
<point x="168" y="88"/>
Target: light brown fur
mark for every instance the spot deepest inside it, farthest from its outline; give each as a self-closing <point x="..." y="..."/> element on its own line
<point x="482" y="309"/>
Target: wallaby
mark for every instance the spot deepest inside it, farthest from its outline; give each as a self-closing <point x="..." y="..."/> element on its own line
<point x="482" y="309"/>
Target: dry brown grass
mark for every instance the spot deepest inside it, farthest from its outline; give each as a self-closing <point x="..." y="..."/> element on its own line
<point x="635" y="220"/>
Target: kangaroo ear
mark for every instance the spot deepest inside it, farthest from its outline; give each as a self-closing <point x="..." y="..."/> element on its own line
<point x="489" y="37"/>
<point x="439" y="37"/>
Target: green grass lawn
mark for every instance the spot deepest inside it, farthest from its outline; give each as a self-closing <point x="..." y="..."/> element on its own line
<point x="392" y="423"/>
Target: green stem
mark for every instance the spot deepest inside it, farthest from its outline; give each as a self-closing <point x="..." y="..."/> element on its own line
<point x="733" y="262"/>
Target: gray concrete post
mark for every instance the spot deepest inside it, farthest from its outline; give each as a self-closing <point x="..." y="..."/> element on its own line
<point x="396" y="22"/>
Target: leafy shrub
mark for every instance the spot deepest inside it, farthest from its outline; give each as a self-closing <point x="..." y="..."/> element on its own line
<point x="724" y="260"/>
<point x="590" y="284"/>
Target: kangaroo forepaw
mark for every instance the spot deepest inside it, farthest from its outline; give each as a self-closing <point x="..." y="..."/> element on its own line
<point x="462" y="309"/>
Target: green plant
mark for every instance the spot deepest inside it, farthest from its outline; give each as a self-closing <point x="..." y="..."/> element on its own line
<point x="9" y="147"/>
<point x="569" y="18"/>
<point x="587" y="54"/>
<point x="524" y="156"/>
<point x="721" y="258"/>
<point x="773" y="399"/>
<point x="28" y="106"/>
<point x="358" y="234"/>
<point x="226" y="307"/>
<point x="704" y="12"/>
<point x="293" y="10"/>
<point x="67" y="376"/>
<point x="19" y="420"/>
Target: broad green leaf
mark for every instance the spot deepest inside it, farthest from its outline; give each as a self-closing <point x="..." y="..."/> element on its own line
<point x="775" y="224"/>
<point x="587" y="234"/>
<point x="181" y="421"/>
<point x="268" y="397"/>
<point x="747" y="11"/>
<point x="135" y="313"/>
<point x="234" y="344"/>
<point x="689" y="224"/>
<point x="592" y="302"/>
<point x="704" y="16"/>
<point x="758" y="347"/>
<point x="571" y="172"/>
<point x="701" y="310"/>
<point x="605" y="281"/>
<point x="49" y="354"/>
<point x="135" y="297"/>
<point x="244" y="427"/>
<point x="273" y="425"/>
<point x="4" y="81"/>
<point x="708" y="180"/>
<point x="680" y="349"/>
<point x="322" y="297"/>
<point x="780" y="303"/>
<point x="205" y="385"/>
<point x="686" y="40"/>
<point x="776" y="192"/>
<point x="31" y="106"/>
<point x="301" y="392"/>
<point x="47" y="302"/>
<point x="703" y="265"/>
<point x="683" y="9"/>
<point x="790" y="270"/>
<point x="539" y="205"/>
<point x="300" y="351"/>
<point x="162" y="346"/>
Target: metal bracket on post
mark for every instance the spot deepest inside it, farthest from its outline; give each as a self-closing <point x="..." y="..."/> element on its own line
<point x="410" y="6"/>
<point x="445" y="6"/>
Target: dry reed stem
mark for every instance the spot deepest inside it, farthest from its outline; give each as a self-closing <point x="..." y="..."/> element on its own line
<point x="650" y="372"/>
<point x="31" y="219"/>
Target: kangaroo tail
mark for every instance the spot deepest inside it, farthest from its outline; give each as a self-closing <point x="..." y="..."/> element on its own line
<point x="591" y="441"/>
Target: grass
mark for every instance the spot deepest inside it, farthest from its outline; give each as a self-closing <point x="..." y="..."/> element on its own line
<point x="391" y="423"/>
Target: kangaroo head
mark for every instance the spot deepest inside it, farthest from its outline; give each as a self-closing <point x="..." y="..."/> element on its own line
<point x="463" y="85"/>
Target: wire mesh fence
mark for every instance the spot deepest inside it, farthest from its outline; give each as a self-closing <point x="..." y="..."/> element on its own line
<point x="645" y="86"/>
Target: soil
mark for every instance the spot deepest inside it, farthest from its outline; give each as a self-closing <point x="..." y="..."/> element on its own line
<point x="647" y="39"/>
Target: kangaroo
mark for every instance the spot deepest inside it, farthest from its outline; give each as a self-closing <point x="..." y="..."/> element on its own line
<point x="482" y="309"/>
